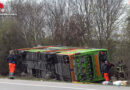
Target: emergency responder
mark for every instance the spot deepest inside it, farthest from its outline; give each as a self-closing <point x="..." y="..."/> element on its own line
<point x="121" y="70"/>
<point x="105" y="69"/>
<point x="12" y="62"/>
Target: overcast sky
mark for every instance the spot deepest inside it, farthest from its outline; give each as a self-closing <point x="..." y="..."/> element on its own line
<point x="3" y="1"/>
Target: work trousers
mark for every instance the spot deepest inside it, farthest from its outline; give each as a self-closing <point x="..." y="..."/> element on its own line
<point x="11" y="70"/>
<point x="106" y="76"/>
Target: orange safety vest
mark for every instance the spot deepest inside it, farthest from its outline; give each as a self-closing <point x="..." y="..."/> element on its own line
<point x="11" y="67"/>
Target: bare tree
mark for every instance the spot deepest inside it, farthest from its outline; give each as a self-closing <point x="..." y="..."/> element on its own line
<point x="31" y="20"/>
<point x="106" y="17"/>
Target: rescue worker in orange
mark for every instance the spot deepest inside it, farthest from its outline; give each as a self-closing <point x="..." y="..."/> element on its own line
<point x="12" y="63"/>
<point x="106" y="70"/>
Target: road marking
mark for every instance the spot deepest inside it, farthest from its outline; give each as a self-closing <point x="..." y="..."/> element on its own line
<point x="34" y="85"/>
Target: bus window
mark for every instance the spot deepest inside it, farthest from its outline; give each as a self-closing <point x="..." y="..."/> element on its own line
<point x="102" y="58"/>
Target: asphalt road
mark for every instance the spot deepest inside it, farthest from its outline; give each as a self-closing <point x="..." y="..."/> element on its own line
<point x="6" y="84"/>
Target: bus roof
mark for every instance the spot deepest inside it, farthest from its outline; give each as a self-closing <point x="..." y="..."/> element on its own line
<point x="73" y="52"/>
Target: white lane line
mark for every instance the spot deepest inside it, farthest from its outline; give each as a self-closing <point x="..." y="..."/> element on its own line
<point x="34" y="85"/>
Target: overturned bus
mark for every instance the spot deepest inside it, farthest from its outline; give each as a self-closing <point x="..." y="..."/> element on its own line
<point x="62" y="63"/>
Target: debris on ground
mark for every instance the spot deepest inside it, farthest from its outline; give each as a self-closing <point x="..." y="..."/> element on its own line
<point x="107" y="83"/>
<point x="120" y="83"/>
<point x="117" y="83"/>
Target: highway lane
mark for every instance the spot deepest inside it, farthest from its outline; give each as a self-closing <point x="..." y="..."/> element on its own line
<point x="6" y="84"/>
